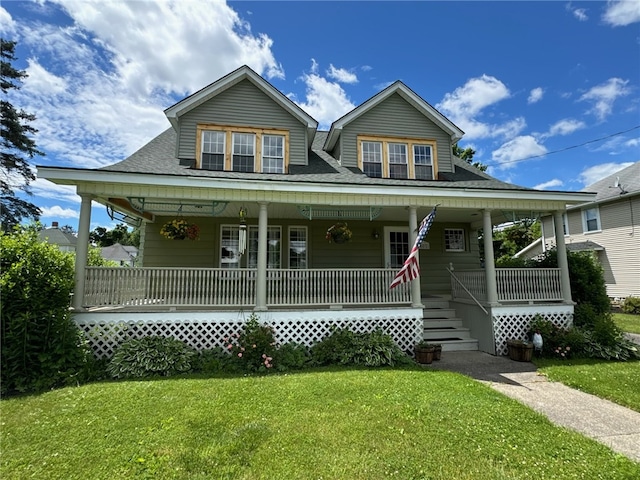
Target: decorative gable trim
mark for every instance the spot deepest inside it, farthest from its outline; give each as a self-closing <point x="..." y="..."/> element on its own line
<point x="174" y="112"/>
<point x="410" y="96"/>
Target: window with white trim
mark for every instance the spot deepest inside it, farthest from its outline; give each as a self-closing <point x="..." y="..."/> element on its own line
<point x="454" y="239"/>
<point x="239" y="149"/>
<point x="565" y="224"/>
<point x="591" y="220"/>
<point x="297" y="247"/>
<point x="229" y="255"/>
<point x="399" y="158"/>
<point x="274" y="247"/>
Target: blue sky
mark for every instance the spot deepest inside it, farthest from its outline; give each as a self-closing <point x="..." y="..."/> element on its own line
<point x="547" y="92"/>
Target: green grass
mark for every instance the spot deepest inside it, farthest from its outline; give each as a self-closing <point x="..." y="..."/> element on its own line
<point x="615" y="381"/>
<point x="627" y="322"/>
<point x="320" y="424"/>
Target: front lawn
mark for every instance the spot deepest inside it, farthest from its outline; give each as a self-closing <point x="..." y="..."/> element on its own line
<point x="326" y="423"/>
<point x="615" y="381"/>
<point x="627" y="322"/>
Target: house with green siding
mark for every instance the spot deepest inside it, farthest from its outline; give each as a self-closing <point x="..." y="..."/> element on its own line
<point x="263" y="192"/>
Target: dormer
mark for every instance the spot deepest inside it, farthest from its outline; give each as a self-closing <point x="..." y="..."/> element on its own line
<point x="241" y="123"/>
<point x="395" y="134"/>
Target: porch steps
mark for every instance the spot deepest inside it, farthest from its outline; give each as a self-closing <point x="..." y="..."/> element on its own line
<point x="440" y="325"/>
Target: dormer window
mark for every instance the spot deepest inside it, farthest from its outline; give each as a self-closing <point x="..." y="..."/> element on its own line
<point x="400" y="158"/>
<point x="239" y="149"/>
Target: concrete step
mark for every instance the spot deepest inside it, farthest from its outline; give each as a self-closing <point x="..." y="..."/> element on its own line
<point x="442" y="323"/>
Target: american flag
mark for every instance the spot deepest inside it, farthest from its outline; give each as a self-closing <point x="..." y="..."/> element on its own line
<point x="411" y="267"/>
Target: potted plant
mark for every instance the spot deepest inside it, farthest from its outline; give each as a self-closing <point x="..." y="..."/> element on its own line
<point x="180" y="229"/>
<point x="424" y="352"/>
<point x="520" y="350"/>
<point x="339" y="233"/>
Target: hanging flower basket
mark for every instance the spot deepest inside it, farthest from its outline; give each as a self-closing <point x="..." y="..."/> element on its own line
<point x="338" y="233"/>
<point x="180" y="229"/>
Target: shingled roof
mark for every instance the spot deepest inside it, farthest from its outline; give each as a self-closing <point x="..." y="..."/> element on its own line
<point x="627" y="180"/>
<point x="158" y="157"/>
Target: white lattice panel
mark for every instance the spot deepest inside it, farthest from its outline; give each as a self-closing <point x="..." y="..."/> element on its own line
<point x="105" y="332"/>
<point x="515" y="322"/>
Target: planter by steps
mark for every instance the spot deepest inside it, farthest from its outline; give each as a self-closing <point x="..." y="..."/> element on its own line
<point x="424" y="353"/>
<point x="520" y="351"/>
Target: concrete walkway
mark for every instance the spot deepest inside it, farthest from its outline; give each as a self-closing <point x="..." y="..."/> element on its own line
<point x="615" y="426"/>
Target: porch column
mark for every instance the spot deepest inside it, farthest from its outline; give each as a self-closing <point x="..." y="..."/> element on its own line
<point x="82" y="250"/>
<point x="489" y="262"/>
<point x="416" y="295"/>
<point x="563" y="262"/>
<point x="261" y="278"/>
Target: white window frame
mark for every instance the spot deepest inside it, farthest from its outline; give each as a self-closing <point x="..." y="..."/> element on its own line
<point x="241" y="146"/>
<point x="586" y="220"/>
<point x="448" y="247"/>
<point x="252" y="254"/>
<point x="399" y="156"/>
<point x="305" y="261"/>
<point x="429" y="163"/>
<point x="205" y="143"/>
<point x="565" y="224"/>
<point x="373" y="157"/>
<point x="230" y="245"/>
<point x="279" y="168"/>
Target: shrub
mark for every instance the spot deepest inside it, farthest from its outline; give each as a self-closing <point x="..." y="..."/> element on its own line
<point x="291" y="356"/>
<point x="253" y="350"/>
<point x="212" y="361"/>
<point x="372" y="349"/>
<point x="41" y="347"/>
<point x="631" y="305"/>
<point x="151" y="356"/>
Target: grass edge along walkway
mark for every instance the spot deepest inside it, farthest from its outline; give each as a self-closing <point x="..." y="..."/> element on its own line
<point x="408" y="423"/>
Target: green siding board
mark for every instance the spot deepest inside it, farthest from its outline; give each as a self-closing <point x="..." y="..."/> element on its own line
<point x="394" y="117"/>
<point x="243" y="105"/>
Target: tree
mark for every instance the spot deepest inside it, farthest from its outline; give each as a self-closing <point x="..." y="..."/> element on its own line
<point x="467" y="155"/>
<point x="510" y="240"/>
<point x="102" y="237"/>
<point x="17" y="146"/>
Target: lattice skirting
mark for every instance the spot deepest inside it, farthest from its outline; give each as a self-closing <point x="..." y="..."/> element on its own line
<point x="205" y="330"/>
<point x="515" y="322"/>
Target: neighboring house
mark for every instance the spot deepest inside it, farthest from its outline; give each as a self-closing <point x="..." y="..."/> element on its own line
<point x="124" y="255"/>
<point x="609" y="227"/>
<point x="66" y="242"/>
<point x="247" y="165"/>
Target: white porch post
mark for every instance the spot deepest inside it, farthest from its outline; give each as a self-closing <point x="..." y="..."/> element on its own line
<point x="261" y="278"/>
<point x="563" y="263"/>
<point x="489" y="262"/>
<point x="82" y="250"/>
<point x="416" y="295"/>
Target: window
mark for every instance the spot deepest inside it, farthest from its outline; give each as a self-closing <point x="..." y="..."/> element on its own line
<point x="454" y="239"/>
<point x="213" y="150"/>
<point x="239" y="149"/>
<point x="273" y="154"/>
<point x="243" y="152"/>
<point x="297" y="247"/>
<point x="229" y="255"/>
<point x="565" y="224"/>
<point x="423" y="162"/>
<point x="591" y="220"/>
<point x="273" y="247"/>
<point x="397" y="158"/>
<point x="372" y="159"/>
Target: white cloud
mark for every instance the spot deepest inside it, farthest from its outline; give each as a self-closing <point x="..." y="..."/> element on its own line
<point x="579" y="13"/>
<point x="535" y="95"/>
<point x="41" y="81"/>
<point x="44" y="189"/>
<point x="58" y="212"/>
<point x="593" y="174"/>
<point x="565" y="127"/>
<point x="341" y="75"/>
<point x="604" y="95"/>
<point x="465" y="105"/>
<point x="622" y="13"/>
<point x="520" y="148"/>
<point x="8" y="25"/>
<point x="325" y="101"/>
<point x="550" y="184"/>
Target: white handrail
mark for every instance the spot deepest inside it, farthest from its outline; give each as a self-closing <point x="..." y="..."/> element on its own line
<point x="453" y="276"/>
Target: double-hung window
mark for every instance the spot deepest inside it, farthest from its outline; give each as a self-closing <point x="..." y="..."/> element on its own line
<point x="273" y="154"/>
<point x="244" y="145"/>
<point x="397" y="157"/>
<point x="454" y="239"/>
<point x="297" y="247"/>
<point x="591" y="220"/>
<point x="274" y="250"/>
<point x="213" y="143"/>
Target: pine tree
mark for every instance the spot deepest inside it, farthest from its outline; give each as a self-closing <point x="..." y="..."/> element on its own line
<point x="17" y="146"/>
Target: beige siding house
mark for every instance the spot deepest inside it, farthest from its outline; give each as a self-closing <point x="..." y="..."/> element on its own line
<point x="263" y="186"/>
<point x="609" y="227"/>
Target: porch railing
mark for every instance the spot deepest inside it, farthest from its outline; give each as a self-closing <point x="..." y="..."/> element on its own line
<point x="513" y="285"/>
<point x="110" y="287"/>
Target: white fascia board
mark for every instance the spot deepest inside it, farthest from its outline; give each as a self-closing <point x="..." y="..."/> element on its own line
<point x="72" y="177"/>
<point x="588" y="205"/>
